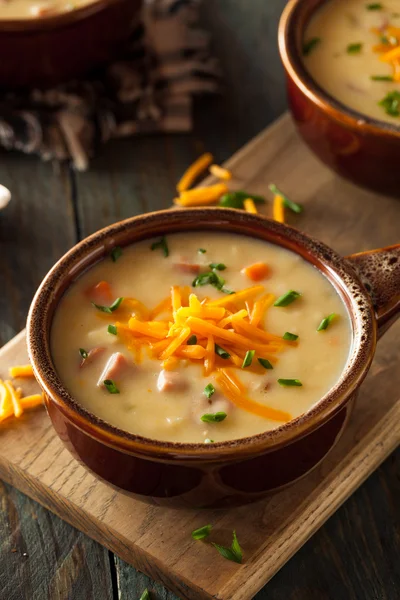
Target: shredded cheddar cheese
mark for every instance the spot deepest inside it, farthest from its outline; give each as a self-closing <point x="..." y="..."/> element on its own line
<point x="194" y="171"/>
<point x="220" y="172"/>
<point x="279" y="210"/>
<point x="21" y="371"/>
<point x="202" y="196"/>
<point x="12" y="403"/>
<point x="249" y="206"/>
<point x="389" y="49"/>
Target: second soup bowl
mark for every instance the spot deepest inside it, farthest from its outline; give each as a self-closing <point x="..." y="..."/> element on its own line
<point x="230" y="472"/>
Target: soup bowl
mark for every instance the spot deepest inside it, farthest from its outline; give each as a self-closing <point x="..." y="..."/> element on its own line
<point x="357" y="147"/>
<point x="58" y="47"/>
<point x="231" y="472"/>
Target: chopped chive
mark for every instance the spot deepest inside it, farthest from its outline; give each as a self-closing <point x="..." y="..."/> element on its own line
<point x="310" y="45"/>
<point x="83" y="353"/>
<point x="265" y="363"/>
<point x="391" y="103"/>
<point x="217" y="266"/>
<point x="293" y="206"/>
<point x="234" y="553"/>
<point x="354" y="48"/>
<point x="109" y="309"/>
<point x="381" y="78"/>
<point x="116" y="253"/>
<point x="202" y="532"/>
<point x="221" y="352"/>
<point x="374" y="6"/>
<point x="112" y="329"/>
<point x="201" y="251"/>
<point x="192" y="340"/>
<point x="145" y="595"/>
<point x="111" y="387"/>
<point x="162" y="244"/>
<point x="208" y="441"/>
<point x="248" y="359"/>
<point x="290" y="336"/>
<point x="209" y="278"/>
<point x="290" y="382"/>
<point x="236" y="199"/>
<point x="326" y="322"/>
<point x="287" y="298"/>
<point x="209" y="390"/>
<point x="213" y="417"/>
<point x="226" y="291"/>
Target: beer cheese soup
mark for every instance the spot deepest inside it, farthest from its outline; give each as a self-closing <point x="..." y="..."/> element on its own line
<point x="352" y="50"/>
<point x="29" y="9"/>
<point x="200" y="337"/>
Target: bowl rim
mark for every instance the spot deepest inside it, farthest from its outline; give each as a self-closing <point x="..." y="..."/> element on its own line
<point x="98" y="245"/>
<point x="56" y="20"/>
<point x="294" y="66"/>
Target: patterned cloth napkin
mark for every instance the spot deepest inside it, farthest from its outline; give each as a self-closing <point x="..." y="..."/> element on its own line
<point x="167" y="61"/>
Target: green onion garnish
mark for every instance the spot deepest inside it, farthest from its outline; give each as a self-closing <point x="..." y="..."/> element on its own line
<point x="236" y="199"/>
<point x="310" y="45"/>
<point x="145" y="595"/>
<point x="208" y="441"/>
<point x="209" y="278"/>
<point x="213" y="417"/>
<point x="201" y="251"/>
<point x="111" y="387"/>
<point x="290" y="382"/>
<point x="293" y="206"/>
<point x="217" y="266"/>
<point x="391" y="103"/>
<point x="221" y="352"/>
<point x="381" y="78"/>
<point x="354" y="48"/>
<point x="202" y="532"/>
<point x="326" y="322"/>
<point x="374" y="6"/>
<point x="209" y="390"/>
<point x="234" y="553"/>
<point x="248" y="359"/>
<point x="116" y="253"/>
<point x="112" y="329"/>
<point x="192" y="340"/>
<point x="83" y="353"/>
<point x="162" y="244"/>
<point x="109" y="309"/>
<point x="287" y="298"/>
<point x="290" y="336"/>
<point x="265" y="363"/>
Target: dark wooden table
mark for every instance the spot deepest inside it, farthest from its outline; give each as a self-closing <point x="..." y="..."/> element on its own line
<point x="356" y="555"/>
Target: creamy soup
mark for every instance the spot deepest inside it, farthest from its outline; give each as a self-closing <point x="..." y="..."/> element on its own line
<point x="29" y="9"/>
<point x="181" y="357"/>
<point x="352" y="50"/>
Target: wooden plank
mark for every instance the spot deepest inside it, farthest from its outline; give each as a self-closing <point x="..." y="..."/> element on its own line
<point x="152" y="538"/>
<point x="42" y="557"/>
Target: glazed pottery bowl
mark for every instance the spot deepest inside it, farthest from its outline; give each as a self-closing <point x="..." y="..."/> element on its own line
<point x="357" y="147"/>
<point x="55" y="48"/>
<point x="223" y="473"/>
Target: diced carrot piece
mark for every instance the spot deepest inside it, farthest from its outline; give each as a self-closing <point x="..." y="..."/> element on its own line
<point x="257" y="271"/>
<point x="100" y="293"/>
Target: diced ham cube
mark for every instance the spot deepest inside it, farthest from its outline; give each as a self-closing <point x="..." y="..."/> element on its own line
<point x="171" y="381"/>
<point x="184" y="266"/>
<point x="100" y="293"/>
<point x="92" y="355"/>
<point x="114" y="368"/>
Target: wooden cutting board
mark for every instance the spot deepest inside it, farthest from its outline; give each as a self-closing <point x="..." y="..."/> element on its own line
<point x="157" y="540"/>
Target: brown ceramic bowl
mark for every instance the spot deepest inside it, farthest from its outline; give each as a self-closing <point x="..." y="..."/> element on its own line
<point x="55" y="48"/>
<point x="357" y="147"/>
<point x="223" y="473"/>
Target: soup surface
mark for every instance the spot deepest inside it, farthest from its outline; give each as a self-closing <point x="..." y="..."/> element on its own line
<point x="352" y="50"/>
<point x="31" y="9"/>
<point x="186" y="374"/>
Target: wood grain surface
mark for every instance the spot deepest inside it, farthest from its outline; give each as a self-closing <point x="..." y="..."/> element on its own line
<point x="156" y="540"/>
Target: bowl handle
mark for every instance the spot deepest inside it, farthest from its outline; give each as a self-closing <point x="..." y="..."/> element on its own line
<point x="379" y="270"/>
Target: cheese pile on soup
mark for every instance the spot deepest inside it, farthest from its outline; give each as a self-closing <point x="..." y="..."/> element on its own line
<point x="352" y="50"/>
<point x="32" y="9"/>
<point x="200" y="337"/>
